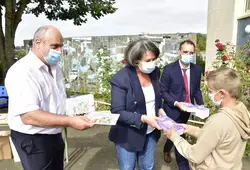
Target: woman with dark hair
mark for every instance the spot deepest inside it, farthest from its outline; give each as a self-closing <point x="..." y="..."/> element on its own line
<point x="135" y="95"/>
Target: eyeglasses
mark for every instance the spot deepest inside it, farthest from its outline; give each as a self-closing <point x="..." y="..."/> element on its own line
<point x="188" y="52"/>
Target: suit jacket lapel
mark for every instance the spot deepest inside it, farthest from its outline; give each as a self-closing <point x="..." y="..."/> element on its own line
<point x="179" y="73"/>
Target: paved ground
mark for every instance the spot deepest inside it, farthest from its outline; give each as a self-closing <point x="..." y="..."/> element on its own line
<point x="91" y="150"/>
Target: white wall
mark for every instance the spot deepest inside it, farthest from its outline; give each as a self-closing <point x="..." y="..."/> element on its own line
<point x="221" y="24"/>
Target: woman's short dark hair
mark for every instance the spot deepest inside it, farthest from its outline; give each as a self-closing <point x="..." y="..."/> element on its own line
<point x="136" y="49"/>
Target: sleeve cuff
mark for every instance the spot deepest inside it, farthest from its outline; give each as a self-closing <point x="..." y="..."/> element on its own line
<point x="175" y="103"/>
<point x="138" y="124"/>
<point x="28" y="108"/>
<point x="175" y="136"/>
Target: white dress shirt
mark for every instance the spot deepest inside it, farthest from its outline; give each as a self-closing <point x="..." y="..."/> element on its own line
<point x="149" y="95"/>
<point x="30" y="87"/>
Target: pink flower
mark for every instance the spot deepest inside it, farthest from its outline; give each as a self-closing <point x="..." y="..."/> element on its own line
<point x="220" y="46"/>
<point x="225" y="58"/>
<point x="248" y="69"/>
<point x="124" y="61"/>
<point x="248" y="52"/>
<point x="207" y="72"/>
<point x="217" y="40"/>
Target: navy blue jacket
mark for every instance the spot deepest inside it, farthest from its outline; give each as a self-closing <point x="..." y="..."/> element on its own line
<point x="127" y="99"/>
<point x="173" y="89"/>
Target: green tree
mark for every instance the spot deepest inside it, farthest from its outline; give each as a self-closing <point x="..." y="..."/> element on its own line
<point x="20" y="53"/>
<point x="76" y="10"/>
<point x="201" y="47"/>
<point x="201" y="41"/>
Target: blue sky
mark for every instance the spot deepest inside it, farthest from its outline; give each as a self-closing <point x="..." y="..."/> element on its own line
<point x="132" y="17"/>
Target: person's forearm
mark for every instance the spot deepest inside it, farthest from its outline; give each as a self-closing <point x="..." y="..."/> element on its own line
<point x="45" y="119"/>
<point x="193" y="130"/>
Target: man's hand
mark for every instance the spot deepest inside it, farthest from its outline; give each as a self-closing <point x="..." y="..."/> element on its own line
<point x="161" y="112"/>
<point x="80" y="122"/>
<point x="151" y="121"/>
<point x="181" y="105"/>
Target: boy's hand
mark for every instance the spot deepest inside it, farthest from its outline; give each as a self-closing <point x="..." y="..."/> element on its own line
<point x="169" y="133"/>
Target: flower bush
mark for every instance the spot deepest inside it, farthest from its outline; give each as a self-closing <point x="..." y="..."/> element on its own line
<point x="226" y="56"/>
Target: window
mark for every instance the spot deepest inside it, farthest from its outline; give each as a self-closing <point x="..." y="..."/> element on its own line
<point x="247" y="8"/>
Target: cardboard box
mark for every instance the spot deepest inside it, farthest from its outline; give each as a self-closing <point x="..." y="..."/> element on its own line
<point x="5" y="151"/>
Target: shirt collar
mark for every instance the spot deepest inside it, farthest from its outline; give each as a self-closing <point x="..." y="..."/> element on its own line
<point x="36" y="62"/>
<point x="183" y="67"/>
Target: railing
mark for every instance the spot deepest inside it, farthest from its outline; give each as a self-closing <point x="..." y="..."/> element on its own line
<point x="108" y="104"/>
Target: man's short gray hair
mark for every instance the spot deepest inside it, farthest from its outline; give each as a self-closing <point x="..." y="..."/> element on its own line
<point x="40" y="32"/>
<point x="136" y="49"/>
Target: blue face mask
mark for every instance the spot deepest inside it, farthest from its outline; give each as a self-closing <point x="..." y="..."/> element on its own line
<point x="53" y="57"/>
<point x="186" y="59"/>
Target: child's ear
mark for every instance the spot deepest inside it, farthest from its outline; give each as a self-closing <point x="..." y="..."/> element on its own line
<point x="224" y="93"/>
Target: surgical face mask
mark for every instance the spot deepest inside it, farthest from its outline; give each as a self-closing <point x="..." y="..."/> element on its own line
<point x="186" y="58"/>
<point x="147" y="67"/>
<point x="212" y="96"/>
<point x="53" y="57"/>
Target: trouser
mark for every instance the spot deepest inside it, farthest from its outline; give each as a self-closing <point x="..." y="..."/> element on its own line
<point x="127" y="160"/>
<point x="39" y="151"/>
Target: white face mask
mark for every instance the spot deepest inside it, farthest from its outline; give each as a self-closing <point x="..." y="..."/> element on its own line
<point x="147" y="67"/>
<point x="211" y="96"/>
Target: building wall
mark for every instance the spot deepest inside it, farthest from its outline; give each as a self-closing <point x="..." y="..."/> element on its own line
<point x="221" y="24"/>
<point x="226" y="21"/>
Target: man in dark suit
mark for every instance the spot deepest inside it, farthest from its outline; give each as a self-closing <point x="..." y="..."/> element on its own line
<point x="180" y="84"/>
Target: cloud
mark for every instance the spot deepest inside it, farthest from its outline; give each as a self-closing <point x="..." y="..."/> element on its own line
<point x="132" y="17"/>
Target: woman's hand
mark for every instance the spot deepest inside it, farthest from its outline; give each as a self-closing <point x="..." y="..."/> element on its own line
<point x="161" y="112"/>
<point x="185" y="126"/>
<point x="151" y="121"/>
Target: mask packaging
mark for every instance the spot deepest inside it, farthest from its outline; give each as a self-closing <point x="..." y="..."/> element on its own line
<point x="167" y="124"/>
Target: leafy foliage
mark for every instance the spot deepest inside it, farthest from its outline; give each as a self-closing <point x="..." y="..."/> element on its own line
<point x="200" y="61"/>
<point x="20" y="53"/>
<point x="76" y="10"/>
<point x="227" y="57"/>
<point x="108" y="66"/>
<point x="201" y="41"/>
